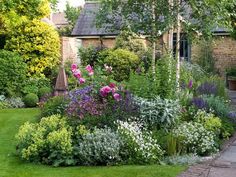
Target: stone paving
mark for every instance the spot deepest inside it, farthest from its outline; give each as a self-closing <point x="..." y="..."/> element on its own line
<point x="223" y="165"/>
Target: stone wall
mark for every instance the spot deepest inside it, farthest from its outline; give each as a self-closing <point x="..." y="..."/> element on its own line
<point x="69" y="49"/>
<point x="107" y="42"/>
<point x="223" y="52"/>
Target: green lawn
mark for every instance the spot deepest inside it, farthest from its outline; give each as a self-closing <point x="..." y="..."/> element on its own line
<point x="12" y="166"/>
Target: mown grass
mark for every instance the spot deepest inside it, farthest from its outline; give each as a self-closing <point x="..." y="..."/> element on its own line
<point x="12" y="166"/>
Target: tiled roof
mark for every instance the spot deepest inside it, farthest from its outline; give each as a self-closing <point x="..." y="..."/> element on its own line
<point x="86" y="25"/>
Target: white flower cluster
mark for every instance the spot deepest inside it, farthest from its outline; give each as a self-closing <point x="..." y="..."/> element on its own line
<point x="196" y="138"/>
<point x="141" y="140"/>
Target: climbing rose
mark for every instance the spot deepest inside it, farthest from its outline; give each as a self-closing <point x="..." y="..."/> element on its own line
<point x="117" y="96"/>
<point x="73" y="67"/>
<point x="90" y="70"/>
<point x="81" y="80"/>
<point x="104" y="91"/>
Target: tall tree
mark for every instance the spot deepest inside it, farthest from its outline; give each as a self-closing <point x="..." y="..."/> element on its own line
<point x="154" y="17"/>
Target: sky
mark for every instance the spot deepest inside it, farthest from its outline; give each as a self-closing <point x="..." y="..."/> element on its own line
<point x="75" y="3"/>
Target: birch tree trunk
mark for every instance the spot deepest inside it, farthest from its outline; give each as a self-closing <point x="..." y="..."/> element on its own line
<point x="178" y="30"/>
<point x="153" y="40"/>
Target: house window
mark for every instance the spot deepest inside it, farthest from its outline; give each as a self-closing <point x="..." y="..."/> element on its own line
<point x="185" y="47"/>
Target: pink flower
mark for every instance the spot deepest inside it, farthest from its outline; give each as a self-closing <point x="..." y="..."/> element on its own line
<point x="77" y="73"/>
<point x="81" y="80"/>
<point x="117" y="96"/>
<point x="90" y="70"/>
<point x="112" y="85"/>
<point x="104" y="91"/>
<point x="73" y="67"/>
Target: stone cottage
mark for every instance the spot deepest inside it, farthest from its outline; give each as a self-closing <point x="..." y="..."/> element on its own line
<point x="223" y="47"/>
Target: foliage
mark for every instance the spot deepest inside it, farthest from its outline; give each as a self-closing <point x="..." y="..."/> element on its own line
<point x="159" y="112"/>
<point x="55" y="105"/>
<point x="31" y="100"/>
<point x="130" y="41"/>
<point x="205" y="58"/>
<point x="191" y="72"/>
<point x="13" y="73"/>
<point x="231" y="72"/>
<point x="101" y="147"/>
<point x="140" y="147"/>
<point x="187" y="159"/>
<point x="72" y="13"/>
<point x="14" y="102"/>
<point x="44" y="91"/>
<point x="33" y="85"/>
<point x="38" y="44"/>
<point x="90" y="55"/>
<point x="48" y="141"/>
<point x="196" y="138"/>
<point x="218" y="105"/>
<point x="162" y="84"/>
<point x="122" y="61"/>
<point x="227" y="128"/>
<point x="209" y="121"/>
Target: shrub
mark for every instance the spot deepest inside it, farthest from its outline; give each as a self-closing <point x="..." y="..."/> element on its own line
<point x="39" y="45"/>
<point x="187" y="159"/>
<point x="47" y="142"/>
<point x="196" y="138"/>
<point x="209" y="121"/>
<point x="4" y="105"/>
<point x="31" y="100"/>
<point x="139" y="146"/>
<point x="101" y="147"/>
<point x="44" y="91"/>
<point x="227" y="128"/>
<point x="158" y="112"/>
<point x="122" y="62"/>
<point x="12" y="72"/>
<point x="55" y="105"/>
<point x="130" y="41"/>
<point x="90" y="55"/>
<point x="32" y="85"/>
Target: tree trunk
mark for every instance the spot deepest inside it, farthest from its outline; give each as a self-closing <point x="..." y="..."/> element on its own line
<point x="153" y="40"/>
<point x="154" y="58"/>
<point x="178" y="50"/>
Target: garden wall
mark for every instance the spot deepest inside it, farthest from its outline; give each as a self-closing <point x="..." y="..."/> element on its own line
<point x="69" y="49"/>
<point x="107" y="42"/>
<point x="223" y="52"/>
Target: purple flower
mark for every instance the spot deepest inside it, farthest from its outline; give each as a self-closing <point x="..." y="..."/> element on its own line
<point x="199" y="103"/>
<point x="207" y="88"/>
<point x="190" y="84"/>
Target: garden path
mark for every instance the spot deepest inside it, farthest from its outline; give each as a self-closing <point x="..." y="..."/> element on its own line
<point x="224" y="165"/>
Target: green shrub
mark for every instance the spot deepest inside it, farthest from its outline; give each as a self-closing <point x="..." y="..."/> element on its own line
<point x="4" y="105"/>
<point x="89" y="55"/>
<point x="47" y="142"/>
<point x="12" y="72"/>
<point x="130" y="41"/>
<point x="122" y="62"/>
<point x="15" y="102"/>
<point x="209" y="121"/>
<point x="32" y="85"/>
<point x="101" y="147"/>
<point x="55" y="105"/>
<point x="44" y="91"/>
<point x="38" y="43"/>
<point x="227" y="128"/>
<point x="31" y="100"/>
